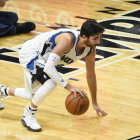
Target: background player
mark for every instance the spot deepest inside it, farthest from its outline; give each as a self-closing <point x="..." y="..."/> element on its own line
<point x="9" y="25"/>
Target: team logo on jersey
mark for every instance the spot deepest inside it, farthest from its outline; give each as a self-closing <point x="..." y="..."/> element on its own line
<point x="66" y="59"/>
<point x="45" y="76"/>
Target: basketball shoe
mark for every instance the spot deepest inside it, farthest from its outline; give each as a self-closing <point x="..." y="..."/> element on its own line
<point x="1" y="106"/>
<point x="29" y="120"/>
<point x="3" y="91"/>
<point x="3" y="94"/>
<point x="24" y="27"/>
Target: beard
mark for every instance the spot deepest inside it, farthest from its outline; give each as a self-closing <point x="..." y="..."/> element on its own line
<point x="89" y="44"/>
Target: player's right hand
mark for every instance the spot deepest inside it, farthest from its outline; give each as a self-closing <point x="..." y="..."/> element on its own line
<point x="75" y="90"/>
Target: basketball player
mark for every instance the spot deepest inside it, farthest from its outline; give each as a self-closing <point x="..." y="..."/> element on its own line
<point x="40" y="55"/>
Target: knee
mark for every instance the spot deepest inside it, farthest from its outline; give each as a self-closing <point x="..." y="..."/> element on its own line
<point x="14" y="17"/>
<point x="53" y="84"/>
<point x="49" y="84"/>
<point x="29" y="97"/>
<point x="43" y="92"/>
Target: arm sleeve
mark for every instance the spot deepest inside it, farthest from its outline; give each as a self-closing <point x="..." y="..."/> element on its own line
<point x="51" y="70"/>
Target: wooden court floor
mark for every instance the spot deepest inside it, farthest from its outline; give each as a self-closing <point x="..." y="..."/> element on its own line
<point x="117" y="70"/>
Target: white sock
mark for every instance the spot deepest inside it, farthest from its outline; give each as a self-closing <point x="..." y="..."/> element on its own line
<point x="32" y="108"/>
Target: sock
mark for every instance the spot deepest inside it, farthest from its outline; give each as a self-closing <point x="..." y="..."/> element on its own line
<point x="32" y="108"/>
<point x="5" y="90"/>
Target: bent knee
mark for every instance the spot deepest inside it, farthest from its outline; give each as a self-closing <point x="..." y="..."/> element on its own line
<point x="53" y="84"/>
<point x="50" y="84"/>
<point x="29" y="97"/>
<point x="47" y="88"/>
<point x="14" y="17"/>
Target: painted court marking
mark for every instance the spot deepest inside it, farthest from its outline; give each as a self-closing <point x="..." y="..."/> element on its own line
<point x="128" y="57"/>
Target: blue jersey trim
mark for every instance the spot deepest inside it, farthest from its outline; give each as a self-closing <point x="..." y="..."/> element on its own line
<point x="52" y="40"/>
<point x="77" y="54"/>
<point x="30" y="65"/>
<point x="89" y="52"/>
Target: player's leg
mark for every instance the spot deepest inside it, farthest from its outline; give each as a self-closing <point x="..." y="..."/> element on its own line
<point x="29" y="120"/>
<point x="19" y="92"/>
<point x="24" y="93"/>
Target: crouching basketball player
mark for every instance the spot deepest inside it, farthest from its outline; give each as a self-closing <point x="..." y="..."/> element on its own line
<point x="40" y="55"/>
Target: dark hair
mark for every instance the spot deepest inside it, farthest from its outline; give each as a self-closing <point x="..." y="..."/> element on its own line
<point x="91" y="27"/>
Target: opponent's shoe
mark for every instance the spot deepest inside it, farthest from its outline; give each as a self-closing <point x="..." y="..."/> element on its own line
<point x="1" y="106"/>
<point x="29" y="120"/>
<point x="24" y="27"/>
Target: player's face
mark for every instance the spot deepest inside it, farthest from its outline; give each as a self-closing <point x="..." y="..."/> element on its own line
<point x="93" y="40"/>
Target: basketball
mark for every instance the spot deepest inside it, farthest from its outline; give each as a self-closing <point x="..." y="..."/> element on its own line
<point x="76" y="105"/>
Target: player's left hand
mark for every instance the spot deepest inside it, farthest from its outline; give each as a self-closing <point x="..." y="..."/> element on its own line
<point x="99" y="110"/>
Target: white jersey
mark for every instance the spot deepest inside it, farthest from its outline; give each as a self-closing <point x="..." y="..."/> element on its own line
<point x="36" y="51"/>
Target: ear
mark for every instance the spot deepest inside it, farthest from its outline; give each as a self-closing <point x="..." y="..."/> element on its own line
<point x="84" y="38"/>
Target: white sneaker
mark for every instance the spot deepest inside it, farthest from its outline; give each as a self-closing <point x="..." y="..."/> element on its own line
<point x="2" y="94"/>
<point x="1" y="106"/>
<point x="29" y="120"/>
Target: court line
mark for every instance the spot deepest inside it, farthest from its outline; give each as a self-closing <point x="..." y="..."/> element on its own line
<point x="102" y="60"/>
<point x="36" y="32"/>
<point x="128" y="57"/>
<point x="134" y="59"/>
<point x="72" y="72"/>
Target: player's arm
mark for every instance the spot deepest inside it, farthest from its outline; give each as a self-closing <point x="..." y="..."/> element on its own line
<point x="64" y="44"/>
<point x="91" y="80"/>
<point x="2" y="3"/>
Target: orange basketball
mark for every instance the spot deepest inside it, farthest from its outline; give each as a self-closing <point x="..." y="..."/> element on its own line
<point x="76" y="105"/>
